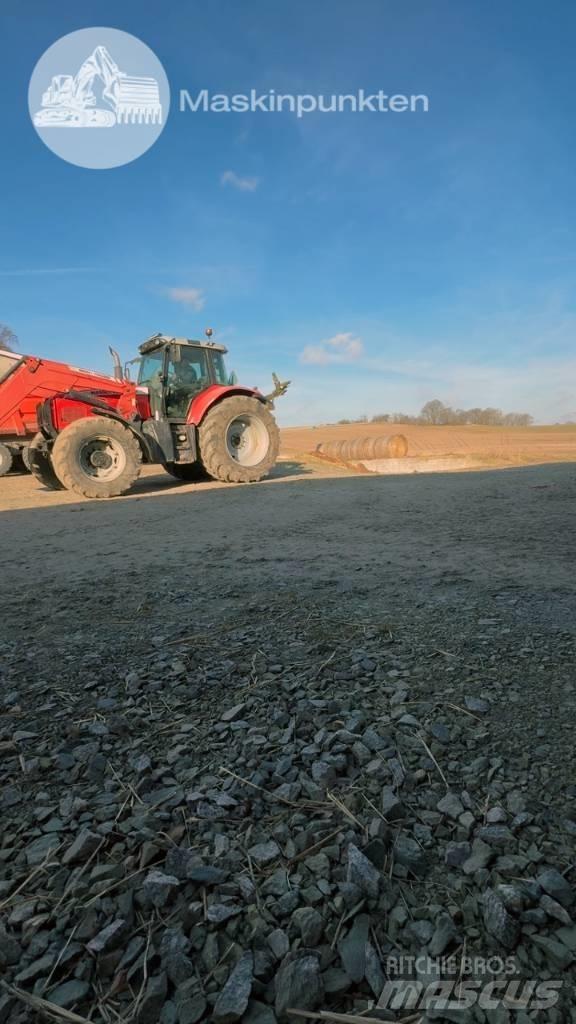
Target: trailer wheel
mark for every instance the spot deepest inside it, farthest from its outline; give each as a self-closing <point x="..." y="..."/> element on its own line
<point x="25" y="456"/>
<point x="6" y="459"/>
<point x="97" y="457"/>
<point x="40" y="463"/>
<point x="238" y="440"/>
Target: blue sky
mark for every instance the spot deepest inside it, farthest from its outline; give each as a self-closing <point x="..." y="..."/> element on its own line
<point x="378" y="260"/>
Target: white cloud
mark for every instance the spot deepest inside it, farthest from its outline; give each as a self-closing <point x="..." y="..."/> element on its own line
<point x="242" y="184"/>
<point x="188" y="297"/>
<point x="30" y="272"/>
<point x="341" y="348"/>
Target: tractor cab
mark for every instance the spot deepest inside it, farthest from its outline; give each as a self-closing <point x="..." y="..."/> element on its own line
<point x="175" y="370"/>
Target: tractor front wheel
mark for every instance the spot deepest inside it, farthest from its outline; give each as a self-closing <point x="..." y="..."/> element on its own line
<point x="6" y="459"/>
<point x="238" y="440"/>
<point x="97" y="457"/>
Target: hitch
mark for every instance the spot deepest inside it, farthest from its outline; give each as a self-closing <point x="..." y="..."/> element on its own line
<point x="280" y="388"/>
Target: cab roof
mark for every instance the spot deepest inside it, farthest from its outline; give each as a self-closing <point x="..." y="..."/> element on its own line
<point x="159" y="340"/>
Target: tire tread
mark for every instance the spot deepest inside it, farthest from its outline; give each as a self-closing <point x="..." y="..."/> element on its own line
<point x="212" y="441"/>
<point x="65" y="464"/>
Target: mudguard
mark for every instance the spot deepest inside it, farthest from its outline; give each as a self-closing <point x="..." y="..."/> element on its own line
<point x="215" y="393"/>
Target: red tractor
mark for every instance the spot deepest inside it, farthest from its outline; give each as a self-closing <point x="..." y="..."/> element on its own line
<point x="184" y="413"/>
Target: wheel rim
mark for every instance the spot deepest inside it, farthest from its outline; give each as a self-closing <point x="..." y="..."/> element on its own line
<point x="102" y="458"/>
<point x="5" y="458"/>
<point x="247" y="440"/>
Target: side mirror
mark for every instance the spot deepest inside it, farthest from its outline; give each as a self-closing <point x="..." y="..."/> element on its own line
<point x="232" y="379"/>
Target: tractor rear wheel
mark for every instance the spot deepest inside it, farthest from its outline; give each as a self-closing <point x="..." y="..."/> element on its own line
<point x="97" y="457"/>
<point x="238" y="440"/>
<point x="189" y="471"/>
<point x="40" y="463"/>
<point x="6" y="459"/>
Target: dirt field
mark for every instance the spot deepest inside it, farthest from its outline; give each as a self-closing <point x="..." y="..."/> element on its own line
<point x="491" y="444"/>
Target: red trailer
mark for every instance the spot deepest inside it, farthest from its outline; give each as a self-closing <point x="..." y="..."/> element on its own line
<point x="25" y="382"/>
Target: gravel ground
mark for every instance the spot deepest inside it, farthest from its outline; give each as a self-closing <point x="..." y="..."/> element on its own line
<point x="260" y="743"/>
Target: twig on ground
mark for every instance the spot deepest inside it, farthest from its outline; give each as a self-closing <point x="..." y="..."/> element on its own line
<point x="60" y="955"/>
<point x="125" y="785"/>
<point x="133" y="1011"/>
<point x="312" y="849"/>
<point x="32" y="875"/>
<point x="44" y="1006"/>
<point x="431" y="756"/>
<point x="348" y="813"/>
<point x="76" y="878"/>
<point x="325" y="664"/>
<point x="464" y="711"/>
<point x="104" y="892"/>
<point x="270" y="796"/>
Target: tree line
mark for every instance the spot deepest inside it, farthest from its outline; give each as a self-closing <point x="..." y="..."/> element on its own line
<point x="436" y="413"/>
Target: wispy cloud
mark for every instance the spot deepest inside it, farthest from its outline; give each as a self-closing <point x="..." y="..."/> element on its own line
<point x="193" y="297"/>
<point x="238" y="182"/>
<point x="341" y="348"/>
<point x="34" y="271"/>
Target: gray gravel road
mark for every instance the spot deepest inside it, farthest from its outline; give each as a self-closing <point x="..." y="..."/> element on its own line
<point x="352" y="648"/>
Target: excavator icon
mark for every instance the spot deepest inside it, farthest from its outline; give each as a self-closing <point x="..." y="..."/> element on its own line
<point x="69" y="102"/>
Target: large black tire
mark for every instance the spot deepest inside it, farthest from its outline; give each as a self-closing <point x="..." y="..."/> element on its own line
<point x="40" y="460"/>
<point x="25" y="456"/>
<point x="238" y="440"/>
<point x="6" y="459"/>
<point x="189" y="471"/>
<point x="97" y="457"/>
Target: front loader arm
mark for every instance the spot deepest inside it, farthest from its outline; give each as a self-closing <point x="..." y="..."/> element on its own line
<point x="280" y="388"/>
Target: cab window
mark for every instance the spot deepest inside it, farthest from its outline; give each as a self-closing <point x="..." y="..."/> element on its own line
<point x="188" y="374"/>
<point x="190" y="370"/>
<point x="151" y="366"/>
<point x="220" y="374"/>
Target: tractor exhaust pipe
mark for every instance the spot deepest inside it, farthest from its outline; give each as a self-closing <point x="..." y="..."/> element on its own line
<point x="118" y="371"/>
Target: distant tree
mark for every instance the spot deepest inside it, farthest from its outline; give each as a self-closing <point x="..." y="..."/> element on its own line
<point x="8" y="339"/>
<point x="518" y="419"/>
<point x="493" y="417"/>
<point x="434" y="412"/>
<point x="460" y="416"/>
<point x="402" y="417"/>
<point x="473" y="416"/>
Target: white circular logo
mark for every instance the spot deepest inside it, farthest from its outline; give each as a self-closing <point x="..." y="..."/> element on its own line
<point x="106" y="85"/>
